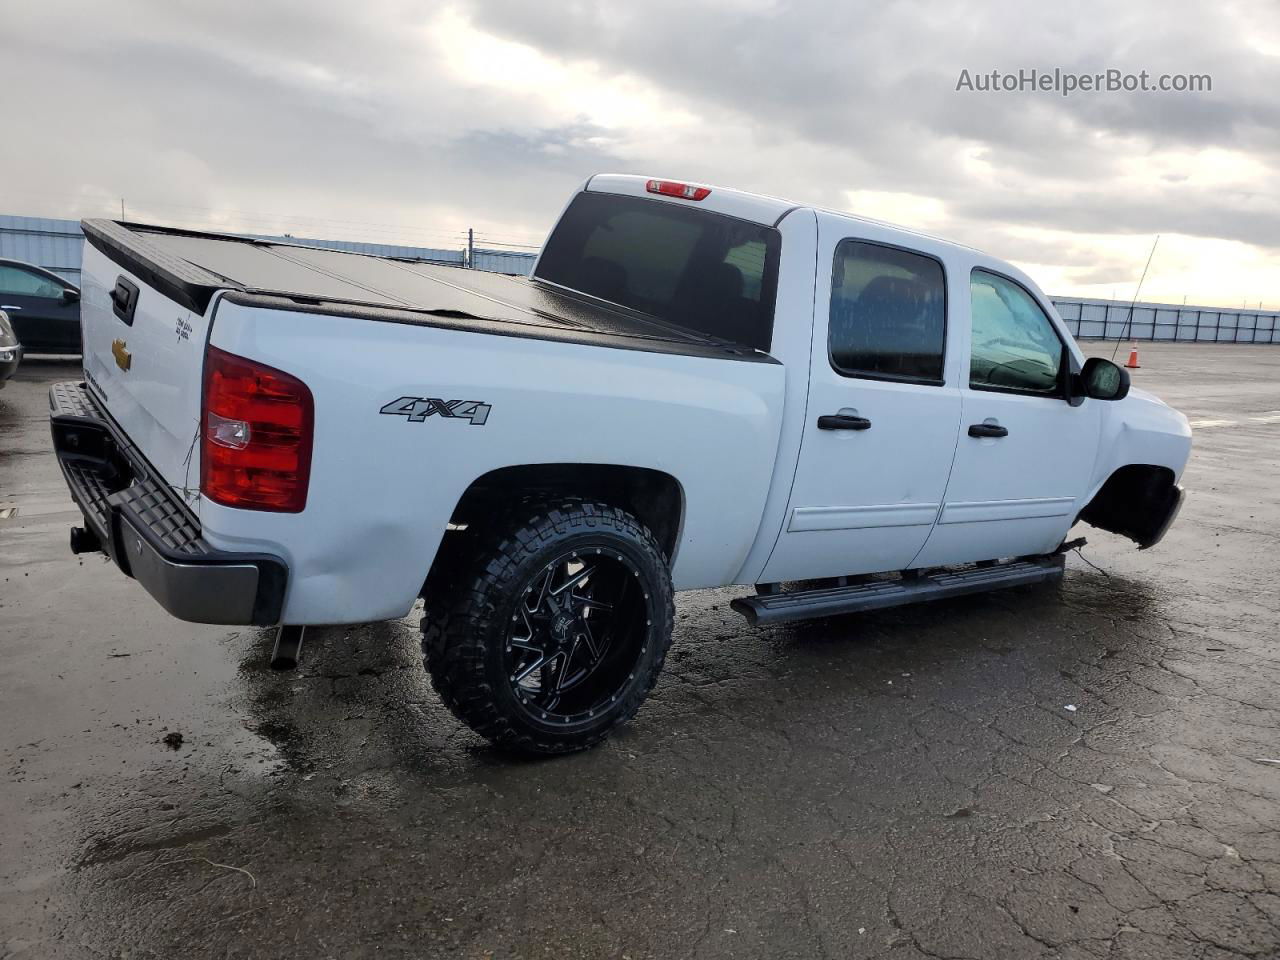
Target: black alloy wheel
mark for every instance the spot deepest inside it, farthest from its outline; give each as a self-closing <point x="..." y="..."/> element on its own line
<point x="572" y="645"/>
<point x="550" y="630"/>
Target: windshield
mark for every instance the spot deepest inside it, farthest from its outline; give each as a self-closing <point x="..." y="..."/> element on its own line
<point x="704" y="271"/>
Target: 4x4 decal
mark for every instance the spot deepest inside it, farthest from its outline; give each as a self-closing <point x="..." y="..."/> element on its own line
<point x="417" y="409"/>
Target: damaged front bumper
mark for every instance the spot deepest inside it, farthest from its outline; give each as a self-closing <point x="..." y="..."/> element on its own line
<point x="1179" y="497"/>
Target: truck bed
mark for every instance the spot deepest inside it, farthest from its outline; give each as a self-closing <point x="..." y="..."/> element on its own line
<point x="191" y="267"/>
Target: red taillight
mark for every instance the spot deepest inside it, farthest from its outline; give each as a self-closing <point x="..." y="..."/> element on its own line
<point x="685" y="191"/>
<point x="255" y="450"/>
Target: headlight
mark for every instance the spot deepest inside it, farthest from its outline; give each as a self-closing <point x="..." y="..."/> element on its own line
<point x="7" y="339"/>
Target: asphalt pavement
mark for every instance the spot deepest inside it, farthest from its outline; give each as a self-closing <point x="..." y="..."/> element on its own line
<point x="1084" y="770"/>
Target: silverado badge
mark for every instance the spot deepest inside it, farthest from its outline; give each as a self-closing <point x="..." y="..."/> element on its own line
<point x="124" y="359"/>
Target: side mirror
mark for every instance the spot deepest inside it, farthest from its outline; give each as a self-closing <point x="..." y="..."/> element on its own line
<point x="70" y="295"/>
<point x="1103" y="380"/>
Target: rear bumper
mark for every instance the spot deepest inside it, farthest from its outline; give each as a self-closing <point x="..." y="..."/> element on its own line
<point x="148" y="531"/>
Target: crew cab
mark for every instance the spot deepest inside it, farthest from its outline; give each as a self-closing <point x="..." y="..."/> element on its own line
<point x="697" y="387"/>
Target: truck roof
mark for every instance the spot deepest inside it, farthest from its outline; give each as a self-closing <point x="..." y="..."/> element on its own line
<point x="755" y="207"/>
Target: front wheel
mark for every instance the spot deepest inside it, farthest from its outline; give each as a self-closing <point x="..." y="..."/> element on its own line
<point x="556" y="629"/>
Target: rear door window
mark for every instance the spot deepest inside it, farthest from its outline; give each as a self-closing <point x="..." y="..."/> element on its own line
<point x="703" y="271"/>
<point x="888" y="313"/>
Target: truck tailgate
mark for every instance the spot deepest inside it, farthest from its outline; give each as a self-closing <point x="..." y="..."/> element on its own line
<point x="143" y="359"/>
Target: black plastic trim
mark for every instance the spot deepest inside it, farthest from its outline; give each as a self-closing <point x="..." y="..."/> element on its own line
<point x="1076" y="380"/>
<point x="1058" y="395"/>
<point x="841" y="421"/>
<point x="784" y="214"/>
<point x="893" y="378"/>
<point x="880" y="594"/>
<point x="992" y="430"/>
<point x="1171" y="514"/>
<point x="642" y="342"/>
<point x="124" y="300"/>
<point x="180" y="280"/>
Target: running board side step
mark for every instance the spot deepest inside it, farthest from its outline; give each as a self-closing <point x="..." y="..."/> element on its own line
<point x="879" y="594"/>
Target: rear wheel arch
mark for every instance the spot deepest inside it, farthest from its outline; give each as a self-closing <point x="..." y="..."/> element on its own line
<point x="653" y="497"/>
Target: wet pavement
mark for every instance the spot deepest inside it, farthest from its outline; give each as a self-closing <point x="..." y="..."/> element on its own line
<point x="906" y="784"/>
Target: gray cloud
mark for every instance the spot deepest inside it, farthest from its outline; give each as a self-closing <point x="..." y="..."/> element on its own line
<point x="341" y="118"/>
<point x="877" y="82"/>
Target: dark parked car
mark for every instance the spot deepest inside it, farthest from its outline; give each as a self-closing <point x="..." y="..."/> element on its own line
<point x="43" y="308"/>
<point x="10" y="350"/>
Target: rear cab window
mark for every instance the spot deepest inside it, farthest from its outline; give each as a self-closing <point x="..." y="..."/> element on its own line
<point x="888" y="314"/>
<point x="703" y="271"/>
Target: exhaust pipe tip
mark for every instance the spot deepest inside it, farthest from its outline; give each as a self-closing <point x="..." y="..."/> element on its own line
<point x="84" y="541"/>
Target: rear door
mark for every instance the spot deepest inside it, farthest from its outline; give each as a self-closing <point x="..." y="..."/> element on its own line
<point x="44" y="319"/>
<point x="883" y="411"/>
<point x="1025" y="454"/>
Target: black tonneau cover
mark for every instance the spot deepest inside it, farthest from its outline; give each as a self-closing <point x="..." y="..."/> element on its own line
<point x="190" y="268"/>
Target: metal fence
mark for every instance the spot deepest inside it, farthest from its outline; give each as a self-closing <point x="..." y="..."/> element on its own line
<point x="446" y="256"/>
<point x="58" y="245"/>
<point x="511" y="262"/>
<point x="53" y="244"/>
<point x="1111" y="320"/>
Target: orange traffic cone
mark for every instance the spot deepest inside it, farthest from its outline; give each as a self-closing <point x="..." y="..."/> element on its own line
<point x="1133" y="357"/>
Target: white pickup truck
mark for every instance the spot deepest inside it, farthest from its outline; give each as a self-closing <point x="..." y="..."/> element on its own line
<point x="697" y="387"/>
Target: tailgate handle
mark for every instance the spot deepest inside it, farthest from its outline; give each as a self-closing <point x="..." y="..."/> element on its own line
<point x="124" y="299"/>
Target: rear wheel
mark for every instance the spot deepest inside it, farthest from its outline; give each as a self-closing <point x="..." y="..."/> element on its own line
<point x="555" y="629"/>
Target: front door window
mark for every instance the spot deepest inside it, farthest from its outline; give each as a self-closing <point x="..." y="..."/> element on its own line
<point x="1014" y="346"/>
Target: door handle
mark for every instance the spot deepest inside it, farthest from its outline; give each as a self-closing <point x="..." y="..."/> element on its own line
<point x="987" y="430"/>
<point x="8" y="306"/>
<point x="841" y="421"/>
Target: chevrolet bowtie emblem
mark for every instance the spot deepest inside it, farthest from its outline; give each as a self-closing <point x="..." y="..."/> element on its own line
<point x="124" y="359"/>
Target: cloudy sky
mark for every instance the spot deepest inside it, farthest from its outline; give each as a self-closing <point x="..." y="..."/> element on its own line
<point x="409" y="122"/>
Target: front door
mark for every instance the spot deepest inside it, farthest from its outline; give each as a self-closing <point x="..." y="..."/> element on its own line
<point x="882" y="420"/>
<point x="1025" y="455"/>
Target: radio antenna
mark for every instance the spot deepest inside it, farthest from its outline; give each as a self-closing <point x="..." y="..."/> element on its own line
<point x="1128" y="324"/>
